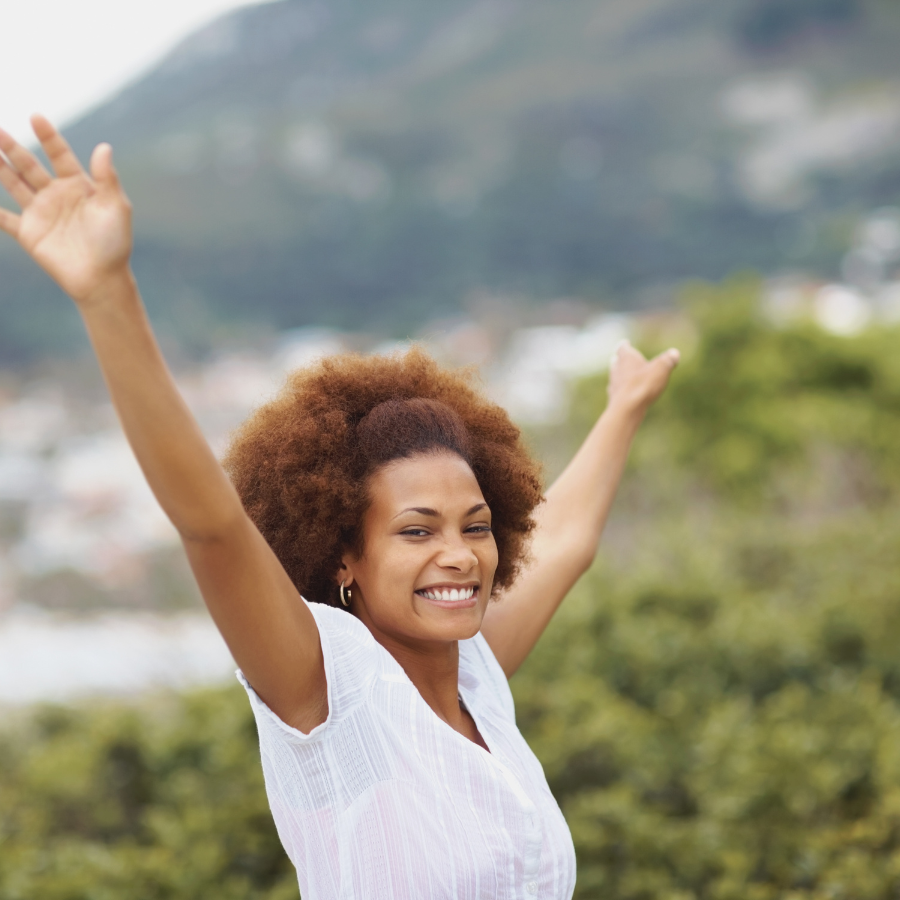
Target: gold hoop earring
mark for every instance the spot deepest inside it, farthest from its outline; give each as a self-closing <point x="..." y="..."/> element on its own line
<point x="349" y="595"/>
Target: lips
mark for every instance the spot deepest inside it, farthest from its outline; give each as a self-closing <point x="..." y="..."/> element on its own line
<point x="448" y="595"/>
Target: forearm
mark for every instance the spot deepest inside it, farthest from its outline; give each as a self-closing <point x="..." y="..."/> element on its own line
<point x="579" y="501"/>
<point x="571" y="521"/>
<point x="569" y="525"/>
<point x="176" y="459"/>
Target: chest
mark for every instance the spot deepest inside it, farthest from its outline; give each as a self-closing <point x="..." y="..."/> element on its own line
<point x="393" y="802"/>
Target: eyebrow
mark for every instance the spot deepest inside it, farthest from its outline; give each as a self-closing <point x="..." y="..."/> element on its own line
<point x="427" y="511"/>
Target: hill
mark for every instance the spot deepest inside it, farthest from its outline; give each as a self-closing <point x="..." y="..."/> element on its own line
<point x="371" y="164"/>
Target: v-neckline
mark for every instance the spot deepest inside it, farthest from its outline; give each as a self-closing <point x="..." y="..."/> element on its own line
<point x="483" y="745"/>
<point x="482" y="741"/>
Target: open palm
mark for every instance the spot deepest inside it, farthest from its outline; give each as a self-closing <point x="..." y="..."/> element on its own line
<point x="76" y="226"/>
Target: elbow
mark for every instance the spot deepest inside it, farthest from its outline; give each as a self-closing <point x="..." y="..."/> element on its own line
<point x="571" y="541"/>
<point x="571" y="562"/>
<point x="577" y="554"/>
<point x="583" y="560"/>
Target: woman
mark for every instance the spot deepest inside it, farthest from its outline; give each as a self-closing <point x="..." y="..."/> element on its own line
<point x="399" y="501"/>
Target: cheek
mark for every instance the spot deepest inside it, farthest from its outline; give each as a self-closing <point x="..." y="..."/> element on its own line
<point x="397" y="568"/>
<point x="489" y="557"/>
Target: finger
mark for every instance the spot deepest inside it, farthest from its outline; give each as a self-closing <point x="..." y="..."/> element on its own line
<point x="614" y="359"/>
<point x="620" y="348"/>
<point x="18" y="190"/>
<point x="60" y="154"/>
<point x="29" y="169"/>
<point x="102" y="170"/>
<point x="627" y="350"/>
<point x="9" y="222"/>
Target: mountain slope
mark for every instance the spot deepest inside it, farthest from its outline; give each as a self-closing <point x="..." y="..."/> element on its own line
<point x="370" y="164"/>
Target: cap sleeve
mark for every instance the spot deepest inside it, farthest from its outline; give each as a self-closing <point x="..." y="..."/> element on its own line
<point x="351" y="660"/>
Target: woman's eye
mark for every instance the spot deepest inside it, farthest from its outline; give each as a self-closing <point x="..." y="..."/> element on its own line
<point x="414" y="532"/>
<point x="478" y="529"/>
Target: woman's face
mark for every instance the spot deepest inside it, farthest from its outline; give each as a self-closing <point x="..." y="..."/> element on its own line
<point x="429" y="554"/>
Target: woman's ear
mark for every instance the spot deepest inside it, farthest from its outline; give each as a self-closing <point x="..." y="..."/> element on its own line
<point x="345" y="572"/>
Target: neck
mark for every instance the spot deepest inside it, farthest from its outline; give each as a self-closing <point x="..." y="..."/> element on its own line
<point x="434" y="670"/>
<point x="432" y="666"/>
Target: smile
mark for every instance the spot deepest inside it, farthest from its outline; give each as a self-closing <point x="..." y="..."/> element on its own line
<point x="448" y="595"/>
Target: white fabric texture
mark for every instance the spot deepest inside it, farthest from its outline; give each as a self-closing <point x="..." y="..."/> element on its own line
<point x="385" y="801"/>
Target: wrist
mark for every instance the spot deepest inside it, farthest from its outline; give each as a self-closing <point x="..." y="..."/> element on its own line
<point x="626" y="414"/>
<point x="111" y="289"/>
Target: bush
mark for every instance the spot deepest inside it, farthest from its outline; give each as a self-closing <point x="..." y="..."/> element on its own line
<point x="719" y="718"/>
<point x="716" y="705"/>
<point x="161" y="800"/>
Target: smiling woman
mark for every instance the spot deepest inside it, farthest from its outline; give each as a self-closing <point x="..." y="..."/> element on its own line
<point x="402" y="504"/>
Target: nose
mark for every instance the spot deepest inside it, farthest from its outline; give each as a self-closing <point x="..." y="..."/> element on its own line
<point x="456" y="554"/>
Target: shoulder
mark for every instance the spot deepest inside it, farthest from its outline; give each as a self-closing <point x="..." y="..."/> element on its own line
<point x="341" y="628"/>
<point x="353" y="660"/>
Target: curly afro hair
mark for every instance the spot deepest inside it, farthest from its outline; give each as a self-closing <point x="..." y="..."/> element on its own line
<point x="301" y="463"/>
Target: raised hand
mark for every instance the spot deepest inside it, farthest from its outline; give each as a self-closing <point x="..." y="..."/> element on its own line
<point x="75" y="225"/>
<point x="634" y="381"/>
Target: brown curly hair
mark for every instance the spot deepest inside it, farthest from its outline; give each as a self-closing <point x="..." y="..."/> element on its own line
<point x="301" y="463"/>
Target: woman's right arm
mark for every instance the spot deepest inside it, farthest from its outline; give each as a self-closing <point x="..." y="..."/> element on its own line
<point x="78" y="228"/>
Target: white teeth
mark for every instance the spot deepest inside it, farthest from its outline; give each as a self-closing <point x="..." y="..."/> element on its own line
<point x="450" y="596"/>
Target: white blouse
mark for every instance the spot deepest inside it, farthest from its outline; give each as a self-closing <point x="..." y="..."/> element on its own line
<point x="385" y="801"/>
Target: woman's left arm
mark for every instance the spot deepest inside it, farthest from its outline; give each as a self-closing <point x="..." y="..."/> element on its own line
<point x="571" y="520"/>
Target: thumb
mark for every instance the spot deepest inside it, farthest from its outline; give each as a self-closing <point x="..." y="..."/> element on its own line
<point x="665" y="363"/>
<point x="102" y="170"/>
<point x="668" y="359"/>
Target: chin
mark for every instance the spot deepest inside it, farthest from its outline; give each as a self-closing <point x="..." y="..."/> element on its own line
<point x="462" y="629"/>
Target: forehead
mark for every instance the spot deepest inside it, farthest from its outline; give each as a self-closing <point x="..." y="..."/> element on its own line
<point x="436" y="480"/>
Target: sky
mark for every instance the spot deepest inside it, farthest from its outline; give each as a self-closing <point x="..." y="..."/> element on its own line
<point x="62" y="58"/>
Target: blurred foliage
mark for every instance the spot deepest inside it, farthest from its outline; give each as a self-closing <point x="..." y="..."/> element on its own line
<point x="786" y="418"/>
<point x="159" y="801"/>
<point x="717" y="705"/>
<point x="720" y="719"/>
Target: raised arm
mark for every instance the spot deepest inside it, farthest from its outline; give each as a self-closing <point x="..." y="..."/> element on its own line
<point x="571" y="520"/>
<point x="77" y="227"/>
